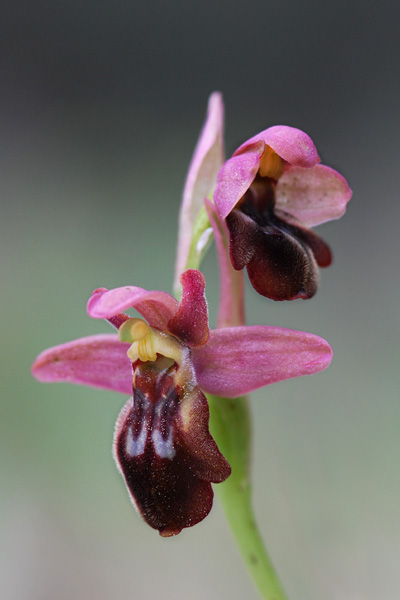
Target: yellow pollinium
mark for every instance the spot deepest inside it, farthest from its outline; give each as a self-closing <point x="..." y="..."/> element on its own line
<point x="271" y="164"/>
<point x="139" y="334"/>
<point x="146" y="342"/>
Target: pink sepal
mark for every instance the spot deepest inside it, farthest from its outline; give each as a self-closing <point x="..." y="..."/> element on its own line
<point x="238" y="360"/>
<point x="291" y="144"/>
<point x="206" y="162"/>
<point x="312" y="196"/>
<point x="99" y="361"/>
<point x="234" y="179"/>
<point x="231" y="303"/>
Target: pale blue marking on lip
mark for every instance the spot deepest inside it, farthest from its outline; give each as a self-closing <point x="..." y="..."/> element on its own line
<point x="135" y="447"/>
<point x="163" y="447"/>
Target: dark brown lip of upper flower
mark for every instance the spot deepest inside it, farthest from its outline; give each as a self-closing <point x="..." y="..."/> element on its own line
<point x="281" y="258"/>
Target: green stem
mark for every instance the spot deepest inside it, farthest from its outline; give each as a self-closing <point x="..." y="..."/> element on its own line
<point x="231" y="428"/>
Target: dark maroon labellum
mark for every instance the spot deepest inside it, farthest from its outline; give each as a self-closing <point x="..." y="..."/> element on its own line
<point x="165" y="451"/>
<point x="281" y="258"/>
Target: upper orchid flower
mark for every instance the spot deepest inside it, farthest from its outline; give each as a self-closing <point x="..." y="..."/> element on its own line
<point x="270" y="192"/>
<point x="162" y="444"/>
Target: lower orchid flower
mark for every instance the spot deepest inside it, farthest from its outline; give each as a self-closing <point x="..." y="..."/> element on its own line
<point x="168" y="359"/>
<point x="270" y="192"/>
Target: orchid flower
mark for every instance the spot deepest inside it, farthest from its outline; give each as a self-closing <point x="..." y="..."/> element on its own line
<point x="270" y="192"/>
<point x="168" y="359"/>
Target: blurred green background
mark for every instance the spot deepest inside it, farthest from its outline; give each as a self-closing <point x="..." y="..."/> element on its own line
<point x="101" y="106"/>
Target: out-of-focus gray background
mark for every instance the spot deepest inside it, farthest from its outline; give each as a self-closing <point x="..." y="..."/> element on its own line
<point x="101" y="105"/>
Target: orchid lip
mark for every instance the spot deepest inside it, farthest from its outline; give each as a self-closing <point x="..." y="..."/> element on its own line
<point x="164" y="450"/>
<point x="281" y="258"/>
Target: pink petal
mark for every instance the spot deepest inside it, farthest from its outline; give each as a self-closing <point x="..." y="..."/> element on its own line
<point x="312" y="196"/>
<point x="99" y="361"/>
<point x="190" y="323"/>
<point x="231" y="304"/>
<point x="234" y="179"/>
<point x="238" y="360"/>
<point x="291" y="144"/>
<point x="156" y="307"/>
<point x="207" y="159"/>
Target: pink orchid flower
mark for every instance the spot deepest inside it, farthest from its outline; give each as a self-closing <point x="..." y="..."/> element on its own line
<point x="270" y="192"/>
<point x="162" y="445"/>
